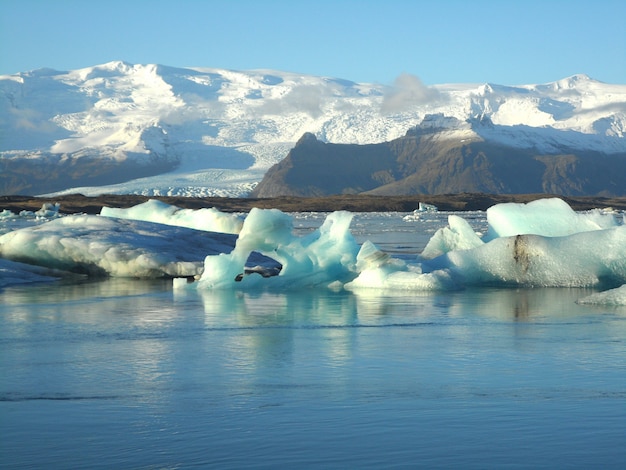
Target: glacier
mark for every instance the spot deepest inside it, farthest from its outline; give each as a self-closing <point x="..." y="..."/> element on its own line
<point x="215" y="132"/>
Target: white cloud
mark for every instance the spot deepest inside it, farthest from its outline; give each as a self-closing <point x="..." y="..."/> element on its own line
<point x="407" y="92"/>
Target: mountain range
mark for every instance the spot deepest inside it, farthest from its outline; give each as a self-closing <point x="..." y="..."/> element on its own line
<point x="123" y="128"/>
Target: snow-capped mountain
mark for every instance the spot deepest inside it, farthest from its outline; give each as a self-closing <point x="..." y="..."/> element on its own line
<point x="158" y="130"/>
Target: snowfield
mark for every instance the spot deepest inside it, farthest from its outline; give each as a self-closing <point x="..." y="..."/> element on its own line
<point x="223" y="128"/>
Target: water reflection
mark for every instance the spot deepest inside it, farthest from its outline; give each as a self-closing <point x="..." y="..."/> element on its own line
<point x="155" y="301"/>
<point x="370" y="307"/>
<point x="265" y="330"/>
<point x="71" y="291"/>
<point x="141" y="376"/>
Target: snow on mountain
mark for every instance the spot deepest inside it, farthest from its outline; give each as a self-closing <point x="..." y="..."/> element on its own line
<point x="222" y="129"/>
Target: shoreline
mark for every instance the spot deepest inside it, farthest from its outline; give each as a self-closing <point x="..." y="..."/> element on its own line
<point x="77" y="203"/>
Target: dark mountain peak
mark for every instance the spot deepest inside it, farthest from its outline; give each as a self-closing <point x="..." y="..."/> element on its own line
<point x="307" y="138"/>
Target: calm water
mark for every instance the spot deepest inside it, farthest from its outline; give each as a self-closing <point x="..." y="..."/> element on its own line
<point x="130" y="374"/>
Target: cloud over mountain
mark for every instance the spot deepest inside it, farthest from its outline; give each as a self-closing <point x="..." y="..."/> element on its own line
<point x="409" y="92"/>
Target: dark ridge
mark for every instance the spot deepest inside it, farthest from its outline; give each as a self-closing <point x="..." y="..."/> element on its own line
<point x="77" y="203"/>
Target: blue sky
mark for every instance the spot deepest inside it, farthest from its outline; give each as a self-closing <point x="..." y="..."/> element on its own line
<point x="506" y="42"/>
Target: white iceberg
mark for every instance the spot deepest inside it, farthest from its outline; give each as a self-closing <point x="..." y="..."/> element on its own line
<point x="379" y="270"/>
<point x="535" y="260"/>
<point x="543" y="243"/>
<point x="458" y="235"/>
<point x="550" y="217"/>
<point x="153" y="210"/>
<point x="101" y="246"/>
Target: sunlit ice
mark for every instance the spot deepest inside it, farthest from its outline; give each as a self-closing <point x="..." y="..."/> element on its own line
<point x="541" y="244"/>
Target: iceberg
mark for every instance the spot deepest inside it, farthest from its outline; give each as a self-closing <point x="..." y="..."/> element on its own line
<point x="323" y="257"/>
<point x="538" y="254"/>
<point x="100" y="246"/>
<point x="540" y="244"/>
<point x="379" y="270"/>
<point x="540" y="261"/>
<point x="153" y="210"/>
<point x="421" y="208"/>
<point x="458" y="235"/>
<point x="550" y="217"/>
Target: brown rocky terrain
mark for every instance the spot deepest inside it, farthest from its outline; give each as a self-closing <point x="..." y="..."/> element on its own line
<point x="78" y="203"/>
<point x="435" y="161"/>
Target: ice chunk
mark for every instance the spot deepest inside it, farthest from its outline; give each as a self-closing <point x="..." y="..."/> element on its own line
<point x="317" y="259"/>
<point x="7" y="214"/>
<point x="458" y="235"/>
<point x="153" y="210"/>
<point x="101" y="246"/>
<point x="456" y="256"/>
<point x="48" y="210"/>
<point x="421" y="208"/>
<point x="377" y="270"/>
<point x="610" y="297"/>
<point x="550" y="217"/>
<point x="582" y="259"/>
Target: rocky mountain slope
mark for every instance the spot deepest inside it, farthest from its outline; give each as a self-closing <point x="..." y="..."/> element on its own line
<point x="158" y="130"/>
<point x="444" y="156"/>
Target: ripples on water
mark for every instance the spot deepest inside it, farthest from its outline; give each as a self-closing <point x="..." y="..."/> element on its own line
<point x="130" y="374"/>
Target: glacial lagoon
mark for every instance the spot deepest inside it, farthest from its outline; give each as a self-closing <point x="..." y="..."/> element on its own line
<point x="123" y="373"/>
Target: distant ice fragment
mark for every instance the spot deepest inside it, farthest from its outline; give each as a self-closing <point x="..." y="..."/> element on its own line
<point x="49" y="210"/>
<point x="421" y="208"/>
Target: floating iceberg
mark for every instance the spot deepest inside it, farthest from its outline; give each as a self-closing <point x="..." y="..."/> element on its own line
<point x="421" y="208"/>
<point x="539" y="261"/>
<point x="533" y="255"/>
<point x="323" y="257"/>
<point x="535" y="244"/>
<point x="548" y="217"/>
<point x="458" y="235"/>
<point x="378" y="270"/>
<point x="100" y="246"/>
<point x="153" y="210"/>
<point x="543" y="243"/>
